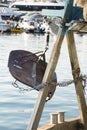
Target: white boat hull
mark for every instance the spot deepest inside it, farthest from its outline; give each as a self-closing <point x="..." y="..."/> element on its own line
<point x="4" y="27"/>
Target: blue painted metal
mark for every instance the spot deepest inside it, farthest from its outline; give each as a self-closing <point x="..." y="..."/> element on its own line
<point x="72" y="12"/>
<point x="68" y="11"/>
<point x="68" y="14"/>
<point x="77" y="13"/>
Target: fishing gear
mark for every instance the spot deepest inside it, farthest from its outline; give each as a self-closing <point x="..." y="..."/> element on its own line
<point x="29" y="68"/>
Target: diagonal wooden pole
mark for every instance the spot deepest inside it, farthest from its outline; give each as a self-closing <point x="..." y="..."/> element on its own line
<point x="47" y="78"/>
<point x="76" y="74"/>
<point x="36" y="115"/>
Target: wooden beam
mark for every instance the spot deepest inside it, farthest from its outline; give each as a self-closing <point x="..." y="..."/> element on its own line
<point x="70" y="124"/>
<point x="76" y="74"/>
<point x="35" y="118"/>
<point x="47" y="78"/>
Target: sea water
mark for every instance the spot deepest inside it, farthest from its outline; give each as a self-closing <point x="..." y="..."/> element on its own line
<point x="16" y="106"/>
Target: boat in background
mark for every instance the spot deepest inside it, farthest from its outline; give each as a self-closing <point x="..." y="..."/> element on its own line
<point x="3" y="5"/>
<point x="33" y="23"/>
<point x="9" y="19"/>
<point x="16" y="30"/>
<point x="5" y="15"/>
<point x="36" y="6"/>
<point x="32" y="27"/>
<point x="4" y="25"/>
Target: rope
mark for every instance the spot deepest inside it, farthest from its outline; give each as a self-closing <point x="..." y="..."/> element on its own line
<point x="39" y="54"/>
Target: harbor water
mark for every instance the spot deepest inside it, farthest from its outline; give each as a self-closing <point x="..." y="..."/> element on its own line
<point x="16" y="106"/>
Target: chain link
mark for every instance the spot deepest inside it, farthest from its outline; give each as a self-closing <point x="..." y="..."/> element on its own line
<point x="21" y="88"/>
<point x="83" y="78"/>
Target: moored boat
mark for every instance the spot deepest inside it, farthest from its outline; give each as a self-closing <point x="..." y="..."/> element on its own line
<point x="16" y="30"/>
<point x="33" y="27"/>
<point x="5" y="15"/>
<point x="4" y="25"/>
<point x="36" y="6"/>
<point x="33" y="23"/>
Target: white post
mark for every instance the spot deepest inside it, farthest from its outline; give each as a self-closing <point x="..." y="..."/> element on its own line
<point x="53" y="118"/>
<point x="61" y="117"/>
